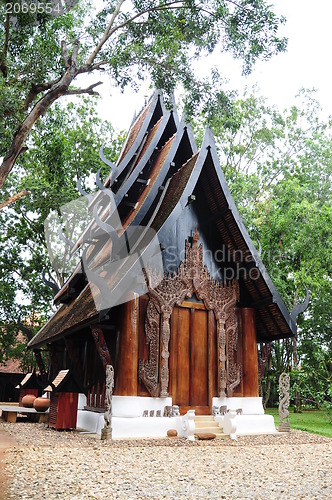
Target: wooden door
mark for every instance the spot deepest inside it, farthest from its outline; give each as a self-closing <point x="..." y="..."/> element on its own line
<point x="192" y="357"/>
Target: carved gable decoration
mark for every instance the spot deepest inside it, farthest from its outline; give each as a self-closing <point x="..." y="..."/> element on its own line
<point x="191" y="277"/>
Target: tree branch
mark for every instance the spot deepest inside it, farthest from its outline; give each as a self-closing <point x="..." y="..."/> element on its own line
<point x="166" y="6"/>
<point x="40" y="108"/>
<point x="3" y="65"/>
<point x="14" y="198"/>
<point x="74" y="55"/>
<point x="105" y="36"/>
<point x="86" y="68"/>
<point x="36" y="89"/>
<point x="88" y="90"/>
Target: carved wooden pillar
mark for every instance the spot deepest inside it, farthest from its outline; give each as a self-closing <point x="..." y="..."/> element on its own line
<point x="164" y="352"/>
<point x="238" y="390"/>
<point x="233" y="367"/>
<point x="40" y="363"/>
<point x="265" y="352"/>
<point x="250" y="358"/>
<point x="148" y="371"/>
<point x="98" y="337"/>
<point x="126" y="382"/>
<point x="222" y="375"/>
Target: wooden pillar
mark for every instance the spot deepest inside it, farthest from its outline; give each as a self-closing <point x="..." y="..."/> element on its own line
<point x="127" y="363"/>
<point x="249" y="353"/>
<point x="238" y="391"/>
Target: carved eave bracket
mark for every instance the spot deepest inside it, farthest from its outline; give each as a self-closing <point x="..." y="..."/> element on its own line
<point x="99" y="339"/>
<point x="170" y="290"/>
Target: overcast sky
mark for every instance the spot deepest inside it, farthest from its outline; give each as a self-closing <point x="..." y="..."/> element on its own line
<point x="307" y="63"/>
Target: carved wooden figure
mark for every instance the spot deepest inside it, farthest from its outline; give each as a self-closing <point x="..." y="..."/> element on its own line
<point x="284" y="402"/>
<point x="107" y="430"/>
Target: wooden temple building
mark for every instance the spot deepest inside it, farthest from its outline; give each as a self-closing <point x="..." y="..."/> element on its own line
<point x="191" y="339"/>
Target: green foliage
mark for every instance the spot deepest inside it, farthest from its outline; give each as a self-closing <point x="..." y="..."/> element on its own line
<point x="63" y="148"/>
<point x="32" y="57"/>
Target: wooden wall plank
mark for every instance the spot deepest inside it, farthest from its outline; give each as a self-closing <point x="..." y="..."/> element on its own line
<point x="250" y="358"/>
<point x="198" y="358"/>
<point x="238" y="391"/>
<point x="182" y="354"/>
<point x="128" y="348"/>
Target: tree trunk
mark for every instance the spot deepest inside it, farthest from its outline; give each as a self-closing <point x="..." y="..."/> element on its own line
<point x="57" y="90"/>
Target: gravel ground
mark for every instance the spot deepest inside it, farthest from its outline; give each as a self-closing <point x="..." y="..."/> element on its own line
<point x="49" y="464"/>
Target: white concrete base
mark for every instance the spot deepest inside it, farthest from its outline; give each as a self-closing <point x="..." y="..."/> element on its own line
<point x="82" y="401"/>
<point x="128" y="422"/>
<point x="90" y="421"/>
<point x="250" y="406"/>
<point x="254" y="424"/>
<point x="134" y="427"/>
<point x="133" y="407"/>
<point x="251" y="422"/>
<point x="144" y="427"/>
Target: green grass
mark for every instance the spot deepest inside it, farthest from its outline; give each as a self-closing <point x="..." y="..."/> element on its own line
<point x="314" y="421"/>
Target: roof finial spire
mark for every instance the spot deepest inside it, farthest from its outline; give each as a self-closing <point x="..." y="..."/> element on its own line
<point x="146" y="94"/>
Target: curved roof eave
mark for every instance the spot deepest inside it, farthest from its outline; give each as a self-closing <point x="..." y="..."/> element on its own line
<point x="209" y="141"/>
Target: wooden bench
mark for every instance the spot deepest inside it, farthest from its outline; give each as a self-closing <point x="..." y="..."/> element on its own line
<point x="10" y="412"/>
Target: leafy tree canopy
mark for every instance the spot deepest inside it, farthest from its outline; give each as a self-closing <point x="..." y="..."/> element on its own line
<point x="42" y="58"/>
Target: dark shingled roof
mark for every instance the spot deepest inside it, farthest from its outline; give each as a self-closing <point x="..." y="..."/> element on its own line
<point x="173" y="192"/>
<point x="76" y="314"/>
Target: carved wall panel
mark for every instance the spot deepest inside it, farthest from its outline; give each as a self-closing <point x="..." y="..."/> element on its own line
<point x="233" y="369"/>
<point x="170" y="290"/>
<point x="149" y="370"/>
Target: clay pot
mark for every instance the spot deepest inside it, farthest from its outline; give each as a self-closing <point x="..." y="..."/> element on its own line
<point x="41" y="404"/>
<point x="27" y="400"/>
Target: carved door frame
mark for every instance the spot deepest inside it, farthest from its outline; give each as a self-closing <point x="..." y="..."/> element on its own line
<point x="191" y="277"/>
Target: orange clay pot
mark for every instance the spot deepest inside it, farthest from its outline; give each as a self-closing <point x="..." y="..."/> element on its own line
<point x="27" y="400"/>
<point x="41" y="404"/>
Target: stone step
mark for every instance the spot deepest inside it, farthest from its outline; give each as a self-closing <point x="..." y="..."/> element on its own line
<point x="201" y="418"/>
<point x="215" y="430"/>
<point x="207" y="423"/>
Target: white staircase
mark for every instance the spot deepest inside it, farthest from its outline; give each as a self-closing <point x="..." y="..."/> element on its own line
<point x="206" y="424"/>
